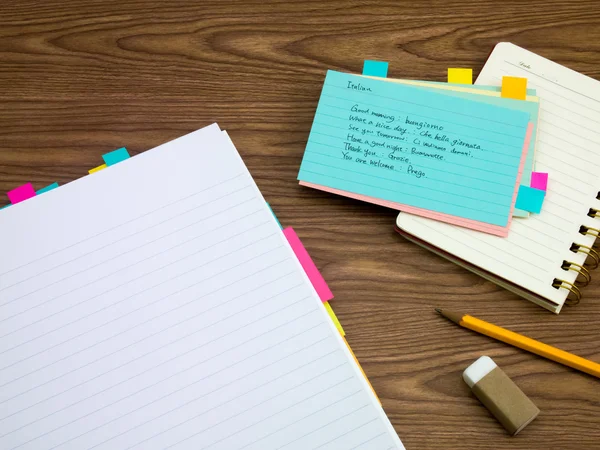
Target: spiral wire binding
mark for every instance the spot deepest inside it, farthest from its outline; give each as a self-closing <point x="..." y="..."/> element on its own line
<point x="568" y="265"/>
<point x="578" y="248"/>
<point x="574" y="292"/>
<point x="558" y="283"/>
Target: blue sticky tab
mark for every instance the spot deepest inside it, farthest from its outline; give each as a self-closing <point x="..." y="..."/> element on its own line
<point x="276" y="219"/>
<point x="47" y="188"/>
<point x="530" y="199"/>
<point x="375" y="68"/>
<point x="116" y="156"/>
<point x="4" y="207"/>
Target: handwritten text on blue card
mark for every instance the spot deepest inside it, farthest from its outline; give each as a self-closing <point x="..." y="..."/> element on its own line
<point x="415" y="147"/>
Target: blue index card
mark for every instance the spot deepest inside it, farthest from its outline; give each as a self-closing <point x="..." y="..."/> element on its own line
<point x="415" y="147"/>
<point x="116" y="156"/>
<point x="375" y="68"/>
<point x="530" y="107"/>
<point x="46" y="189"/>
<point x="530" y="199"/>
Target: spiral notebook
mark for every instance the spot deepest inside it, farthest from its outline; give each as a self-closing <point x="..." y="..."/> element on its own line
<point x="544" y="255"/>
<point x="156" y="304"/>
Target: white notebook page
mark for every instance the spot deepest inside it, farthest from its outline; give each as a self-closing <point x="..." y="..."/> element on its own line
<point x="157" y="305"/>
<point x="568" y="148"/>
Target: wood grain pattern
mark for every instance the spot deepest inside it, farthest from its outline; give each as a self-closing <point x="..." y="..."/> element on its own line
<point x="79" y="78"/>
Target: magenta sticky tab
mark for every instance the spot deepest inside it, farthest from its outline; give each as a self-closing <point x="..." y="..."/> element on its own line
<point x="539" y="180"/>
<point x="21" y="193"/>
<point x="308" y="265"/>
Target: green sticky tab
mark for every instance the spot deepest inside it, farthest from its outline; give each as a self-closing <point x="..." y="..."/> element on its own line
<point x="47" y="188"/>
<point x="375" y="68"/>
<point x="116" y="156"/>
<point x="530" y="199"/>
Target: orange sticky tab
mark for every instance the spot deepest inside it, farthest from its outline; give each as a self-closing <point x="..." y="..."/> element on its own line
<point x="460" y="76"/>
<point x="361" y="369"/>
<point x="97" y="169"/>
<point x="514" y="87"/>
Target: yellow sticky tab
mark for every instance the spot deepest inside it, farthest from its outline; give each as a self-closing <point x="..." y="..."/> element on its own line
<point x="461" y="76"/>
<point x="361" y="369"/>
<point x="514" y="87"/>
<point x="334" y="318"/>
<point x="97" y="169"/>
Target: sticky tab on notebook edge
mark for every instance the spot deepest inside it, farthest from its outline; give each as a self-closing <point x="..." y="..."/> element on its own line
<point x="334" y="318"/>
<point x="273" y="212"/>
<point x="97" y="169"/>
<point x="514" y="87"/>
<point x="361" y="369"/>
<point x="530" y="199"/>
<point x="21" y="193"/>
<point x="116" y="156"/>
<point x="308" y="265"/>
<point x="46" y="189"/>
<point x="375" y="68"/>
<point x="460" y="76"/>
<point x="539" y="180"/>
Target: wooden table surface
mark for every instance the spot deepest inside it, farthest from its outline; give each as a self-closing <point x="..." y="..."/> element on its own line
<point x="79" y="78"/>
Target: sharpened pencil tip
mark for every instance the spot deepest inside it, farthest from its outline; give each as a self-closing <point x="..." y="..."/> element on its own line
<point x="438" y="310"/>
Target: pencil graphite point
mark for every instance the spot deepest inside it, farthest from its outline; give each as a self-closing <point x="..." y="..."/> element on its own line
<point x="438" y="310"/>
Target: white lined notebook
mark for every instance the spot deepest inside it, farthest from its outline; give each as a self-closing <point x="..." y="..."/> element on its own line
<point x="529" y="260"/>
<point x="157" y="305"/>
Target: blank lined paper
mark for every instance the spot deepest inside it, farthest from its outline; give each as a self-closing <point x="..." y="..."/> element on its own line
<point x="418" y="147"/>
<point x="157" y="305"/>
<point x="568" y="150"/>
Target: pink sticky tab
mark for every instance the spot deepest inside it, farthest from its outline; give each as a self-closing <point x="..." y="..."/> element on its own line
<point x="308" y="265"/>
<point x="539" y="180"/>
<point x="21" y="193"/>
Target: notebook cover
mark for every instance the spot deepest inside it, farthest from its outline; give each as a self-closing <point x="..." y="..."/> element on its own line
<point x="526" y="294"/>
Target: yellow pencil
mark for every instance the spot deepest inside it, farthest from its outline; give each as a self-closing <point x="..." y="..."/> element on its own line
<point x="531" y="345"/>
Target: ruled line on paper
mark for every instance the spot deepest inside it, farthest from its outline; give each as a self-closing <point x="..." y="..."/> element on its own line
<point x="29" y="373"/>
<point x="106" y="245"/>
<point x="324" y="105"/>
<point x="553" y="82"/>
<point x="297" y="421"/>
<point x="181" y="389"/>
<point x="123" y="348"/>
<point x="395" y="180"/>
<point x="368" y="440"/>
<point x="345" y="434"/>
<point x="173" y="375"/>
<point x="264" y="401"/>
<point x="445" y="161"/>
<point x="126" y="223"/>
<point x="139" y="277"/>
<point x="323" y="426"/>
<point x="412" y="194"/>
<point x="446" y="111"/>
<point x="143" y="355"/>
<point x="162" y="252"/>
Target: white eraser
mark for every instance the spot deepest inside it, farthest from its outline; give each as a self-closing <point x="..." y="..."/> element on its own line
<point x="479" y="369"/>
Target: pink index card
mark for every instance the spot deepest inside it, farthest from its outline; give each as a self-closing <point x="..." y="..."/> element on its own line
<point x="308" y="265"/>
<point x="539" y="180"/>
<point x="21" y="193"/>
